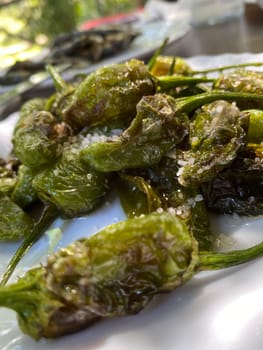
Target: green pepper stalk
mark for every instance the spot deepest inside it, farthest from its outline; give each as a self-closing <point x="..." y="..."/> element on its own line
<point x="113" y="273"/>
<point x="161" y="65"/>
<point x="217" y="133"/>
<point x="156" y="55"/>
<point x="168" y="82"/>
<point x="64" y="91"/>
<point x="38" y="135"/>
<point x="155" y="129"/>
<point x="190" y="103"/>
<point x="108" y="95"/>
<point x="227" y="67"/>
<point x="238" y="188"/>
<point x="59" y="83"/>
<point x="49" y="213"/>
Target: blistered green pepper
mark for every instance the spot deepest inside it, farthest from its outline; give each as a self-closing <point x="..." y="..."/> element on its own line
<point x="157" y="189"/>
<point x="238" y="188"/>
<point x="155" y="129"/>
<point x="47" y="216"/>
<point x="109" y="94"/>
<point x="113" y="273"/>
<point x="72" y="186"/>
<point x="38" y="136"/>
<point x="217" y="133"/>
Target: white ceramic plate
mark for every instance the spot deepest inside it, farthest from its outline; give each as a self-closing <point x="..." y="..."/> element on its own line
<point x="215" y="310"/>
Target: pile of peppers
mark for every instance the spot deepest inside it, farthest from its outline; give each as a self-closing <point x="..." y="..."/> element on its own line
<point x="175" y="143"/>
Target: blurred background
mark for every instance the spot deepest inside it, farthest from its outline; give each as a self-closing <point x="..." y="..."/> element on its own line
<point x="26" y="26"/>
<point x="29" y="28"/>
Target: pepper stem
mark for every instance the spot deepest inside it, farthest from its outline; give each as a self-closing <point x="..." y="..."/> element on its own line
<point x="47" y="217"/>
<point x="58" y="81"/>
<point x="190" y="103"/>
<point x="221" y="69"/>
<point x="216" y="260"/>
<point x="168" y="82"/>
<point x="157" y="53"/>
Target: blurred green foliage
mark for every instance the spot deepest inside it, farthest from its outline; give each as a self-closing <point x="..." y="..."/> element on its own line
<point x="49" y="17"/>
<point x="52" y="17"/>
<point x="28" y="25"/>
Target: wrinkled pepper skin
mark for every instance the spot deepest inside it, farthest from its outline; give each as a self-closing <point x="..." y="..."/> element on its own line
<point x="110" y="93"/>
<point x="23" y="193"/>
<point x="38" y="138"/>
<point x="115" y="272"/>
<point x="15" y="224"/>
<point x="73" y="187"/>
<point x="241" y="80"/>
<point x="217" y="133"/>
<point x="155" y="129"/>
<point x="238" y="189"/>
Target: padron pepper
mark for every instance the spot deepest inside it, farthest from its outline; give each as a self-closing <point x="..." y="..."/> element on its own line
<point x="113" y="273"/>
<point x="238" y="188"/>
<point x="155" y="129"/>
<point x="15" y="224"/>
<point x="109" y="94"/>
<point x="72" y="186"/>
<point x="217" y="133"/>
<point x="23" y="192"/>
<point x="38" y="135"/>
<point x="160" y="124"/>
